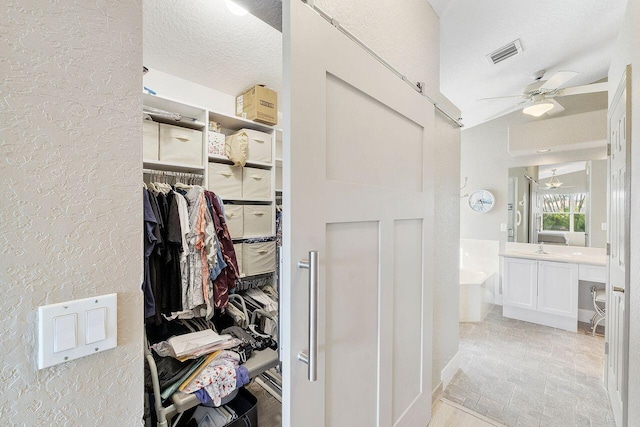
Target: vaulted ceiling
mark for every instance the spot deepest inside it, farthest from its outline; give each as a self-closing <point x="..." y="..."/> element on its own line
<point x="576" y="35"/>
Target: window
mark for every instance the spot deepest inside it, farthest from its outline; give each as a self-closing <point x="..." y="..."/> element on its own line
<point x="564" y="212"/>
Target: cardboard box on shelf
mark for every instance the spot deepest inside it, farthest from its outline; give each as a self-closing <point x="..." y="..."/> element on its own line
<point x="259" y="104"/>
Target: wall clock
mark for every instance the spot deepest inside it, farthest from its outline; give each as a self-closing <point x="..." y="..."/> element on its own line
<point x="481" y="201"/>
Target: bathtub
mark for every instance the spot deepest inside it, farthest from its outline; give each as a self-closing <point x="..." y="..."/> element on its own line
<point x="476" y="294"/>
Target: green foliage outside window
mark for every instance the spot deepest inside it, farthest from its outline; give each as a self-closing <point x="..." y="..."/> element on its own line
<point x="564" y="212"/>
<point x="556" y="222"/>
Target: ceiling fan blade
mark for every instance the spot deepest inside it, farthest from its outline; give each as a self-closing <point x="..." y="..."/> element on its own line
<point x="507" y="111"/>
<point x="558" y="79"/>
<point x="579" y="90"/>
<point x="500" y="97"/>
<point x="557" y="108"/>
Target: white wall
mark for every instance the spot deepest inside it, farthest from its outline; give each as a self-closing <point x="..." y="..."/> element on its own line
<point x="628" y="52"/>
<point x="71" y="211"/>
<point x="598" y="203"/>
<point x="485" y="160"/>
<point x="446" y="290"/>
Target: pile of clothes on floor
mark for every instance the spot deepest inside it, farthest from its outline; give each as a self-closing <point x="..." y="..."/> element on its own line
<point x="207" y="364"/>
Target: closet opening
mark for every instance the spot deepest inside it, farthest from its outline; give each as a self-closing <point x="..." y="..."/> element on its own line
<point x="212" y="173"/>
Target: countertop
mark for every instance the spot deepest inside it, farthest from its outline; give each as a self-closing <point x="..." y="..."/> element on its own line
<point x="568" y="254"/>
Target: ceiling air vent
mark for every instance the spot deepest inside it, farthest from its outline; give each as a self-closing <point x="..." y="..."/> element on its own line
<point x="505" y="52"/>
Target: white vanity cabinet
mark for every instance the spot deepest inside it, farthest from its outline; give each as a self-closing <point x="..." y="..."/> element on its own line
<point x="558" y="288"/>
<point x="543" y="292"/>
<point x="520" y="283"/>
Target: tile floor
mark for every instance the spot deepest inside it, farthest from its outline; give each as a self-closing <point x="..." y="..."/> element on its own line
<point x="522" y="374"/>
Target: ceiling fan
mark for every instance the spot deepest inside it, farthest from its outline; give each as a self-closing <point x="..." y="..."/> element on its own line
<point x="538" y="96"/>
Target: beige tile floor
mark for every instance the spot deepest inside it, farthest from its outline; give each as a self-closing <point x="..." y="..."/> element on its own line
<point x="522" y="374"/>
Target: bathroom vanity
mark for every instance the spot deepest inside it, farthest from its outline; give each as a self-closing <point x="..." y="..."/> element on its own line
<point x="541" y="286"/>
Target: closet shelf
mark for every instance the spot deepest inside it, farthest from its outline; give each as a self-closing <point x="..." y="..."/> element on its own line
<point x="185" y="123"/>
<point x="170" y="166"/>
<point x="234" y="123"/>
<point x="245" y="201"/>
<point x="278" y="161"/>
<point x="278" y="190"/>
<point x="177" y="107"/>
<point x="269" y="236"/>
<point x="223" y="159"/>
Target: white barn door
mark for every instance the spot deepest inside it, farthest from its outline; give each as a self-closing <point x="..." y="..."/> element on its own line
<point x="358" y="189"/>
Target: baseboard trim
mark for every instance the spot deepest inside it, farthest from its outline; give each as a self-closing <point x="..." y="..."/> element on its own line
<point x="436" y="394"/>
<point x="450" y="370"/>
<point x="470" y="412"/>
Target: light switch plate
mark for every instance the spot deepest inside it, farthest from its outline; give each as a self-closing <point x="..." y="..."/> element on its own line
<point x="503" y="227"/>
<point x="74" y="329"/>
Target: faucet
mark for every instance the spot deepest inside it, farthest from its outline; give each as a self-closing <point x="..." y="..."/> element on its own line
<point x="541" y="249"/>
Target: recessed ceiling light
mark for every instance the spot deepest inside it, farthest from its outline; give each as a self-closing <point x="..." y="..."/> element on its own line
<point x="235" y="8"/>
<point x="546" y="150"/>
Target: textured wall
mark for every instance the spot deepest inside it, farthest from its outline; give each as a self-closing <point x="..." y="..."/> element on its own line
<point x="70" y="217"/>
<point x="446" y="291"/>
<point x="628" y="52"/>
<point x="406" y="36"/>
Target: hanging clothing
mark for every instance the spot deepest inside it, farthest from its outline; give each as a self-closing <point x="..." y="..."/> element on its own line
<point x="191" y="269"/>
<point x="150" y="239"/>
<point x="226" y="280"/>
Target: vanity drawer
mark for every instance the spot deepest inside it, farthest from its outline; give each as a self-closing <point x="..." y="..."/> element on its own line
<point x="258" y="220"/>
<point x="237" y="247"/>
<point x="225" y="180"/>
<point x="150" y="140"/>
<point x="258" y="258"/>
<point x="233" y="215"/>
<point x="256" y="184"/>
<point x="259" y="146"/>
<point x="180" y="145"/>
<point x="592" y="273"/>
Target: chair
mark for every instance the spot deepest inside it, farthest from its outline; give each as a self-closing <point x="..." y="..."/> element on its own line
<point x="599" y="301"/>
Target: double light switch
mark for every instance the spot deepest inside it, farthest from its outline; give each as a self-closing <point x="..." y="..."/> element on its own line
<point x="74" y="329"/>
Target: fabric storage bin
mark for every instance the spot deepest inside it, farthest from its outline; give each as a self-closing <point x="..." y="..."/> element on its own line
<point x="225" y="180"/>
<point x="150" y="140"/>
<point x="258" y="220"/>
<point x="180" y="145"/>
<point x="259" y="146"/>
<point x="256" y="184"/>
<point x="237" y="247"/>
<point x="233" y="215"/>
<point x="258" y="258"/>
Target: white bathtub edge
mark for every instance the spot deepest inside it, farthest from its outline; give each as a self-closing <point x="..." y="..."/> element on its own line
<point x="450" y="370"/>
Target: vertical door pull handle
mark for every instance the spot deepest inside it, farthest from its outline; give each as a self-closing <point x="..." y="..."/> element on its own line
<point x="311" y="357"/>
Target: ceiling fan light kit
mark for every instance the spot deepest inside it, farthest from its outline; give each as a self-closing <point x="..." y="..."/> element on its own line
<point x="539" y="95"/>
<point x="538" y="108"/>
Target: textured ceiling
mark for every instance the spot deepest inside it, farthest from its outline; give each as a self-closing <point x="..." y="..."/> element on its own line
<point x="201" y="41"/>
<point x="575" y="35"/>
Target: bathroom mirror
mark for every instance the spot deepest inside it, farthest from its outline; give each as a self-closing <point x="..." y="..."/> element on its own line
<point x="560" y="204"/>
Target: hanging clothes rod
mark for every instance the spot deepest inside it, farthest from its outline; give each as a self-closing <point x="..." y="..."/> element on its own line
<point x="170" y="173"/>
<point x="418" y="87"/>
